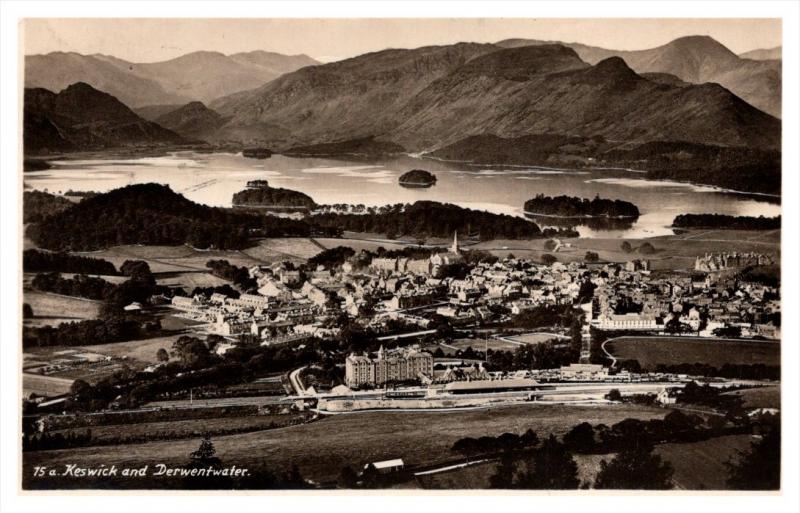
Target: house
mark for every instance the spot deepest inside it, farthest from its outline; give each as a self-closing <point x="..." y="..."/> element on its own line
<point x="666" y="396"/>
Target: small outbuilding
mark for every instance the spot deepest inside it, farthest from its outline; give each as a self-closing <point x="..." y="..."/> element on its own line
<point x="386" y="467"/>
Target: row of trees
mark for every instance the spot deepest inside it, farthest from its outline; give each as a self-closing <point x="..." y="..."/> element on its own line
<point x="238" y="275"/>
<point x="35" y="261"/>
<point x="726" y="222"/>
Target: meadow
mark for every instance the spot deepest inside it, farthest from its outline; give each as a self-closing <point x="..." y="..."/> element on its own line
<point x="320" y="449"/>
<point x="652" y="351"/>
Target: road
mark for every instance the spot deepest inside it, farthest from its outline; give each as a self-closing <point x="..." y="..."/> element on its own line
<point x="407" y="335"/>
<point x="296" y="382"/>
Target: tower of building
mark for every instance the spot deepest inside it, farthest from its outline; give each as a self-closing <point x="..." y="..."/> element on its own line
<point x="454" y="247"/>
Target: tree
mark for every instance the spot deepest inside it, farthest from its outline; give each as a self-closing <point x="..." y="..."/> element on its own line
<point x="81" y="391"/>
<point x="548" y="259"/>
<point x="635" y="468"/>
<point x="27" y="311"/>
<point x="550" y="468"/>
<point x="626" y="246"/>
<point x="580" y="438"/>
<point x="347" y="478"/>
<point x="550" y="245"/>
<point x="614" y="395"/>
<point x="205" y="456"/>
<point x="162" y="355"/>
<point x="591" y="256"/>
<point x="503" y="477"/>
<point x="759" y="468"/>
<point x="192" y="352"/>
<point x="647" y="249"/>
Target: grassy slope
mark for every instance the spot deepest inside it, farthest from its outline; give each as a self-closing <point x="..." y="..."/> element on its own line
<point x="321" y="448"/>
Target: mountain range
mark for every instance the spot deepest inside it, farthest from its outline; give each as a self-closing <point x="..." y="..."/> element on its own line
<point x="695" y="59"/>
<point x="517" y="101"/>
<point x="430" y="97"/>
<point x="198" y="76"/>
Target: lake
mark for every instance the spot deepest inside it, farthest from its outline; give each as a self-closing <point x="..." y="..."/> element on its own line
<point x="214" y="178"/>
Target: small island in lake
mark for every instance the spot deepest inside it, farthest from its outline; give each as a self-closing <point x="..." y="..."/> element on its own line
<point x="570" y="206"/>
<point x="257" y="153"/>
<point x="259" y="194"/>
<point x="417" y="178"/>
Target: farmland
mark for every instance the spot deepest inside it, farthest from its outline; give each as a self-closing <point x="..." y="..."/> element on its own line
<point x="53" y="309"/>
<point x="701" y="465"/>
<point x="761" y="397"/>
<point x="321" y="448"/>
<point x="653" y="351"/>
<point x="45" y="385"/>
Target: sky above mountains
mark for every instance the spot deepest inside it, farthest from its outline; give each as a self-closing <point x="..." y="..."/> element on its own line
<point x="151" y="40"/>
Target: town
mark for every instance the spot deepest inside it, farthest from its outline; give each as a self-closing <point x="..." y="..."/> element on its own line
<point x="408" y="299"/>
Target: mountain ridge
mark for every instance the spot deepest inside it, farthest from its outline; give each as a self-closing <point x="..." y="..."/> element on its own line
<point x="694" y="59"/>
<point x="201" y="76"/>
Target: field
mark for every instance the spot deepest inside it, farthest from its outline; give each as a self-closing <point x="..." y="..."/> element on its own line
<point x="53" y="309"/>
<point x="652" y="351"/>
<point x="673" y="251"/>
<point x="701" y="465"/>
<point x="478" y="344"/>
<point x="190" y="280"/>
<point x="44" y="385"/>
<point x="140" y="350"/>
<point x="322" y="448"/>
<point x="184" y="428"/>
<point x="762" y="397"/>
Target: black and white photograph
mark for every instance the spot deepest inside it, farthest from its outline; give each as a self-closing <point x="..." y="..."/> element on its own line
<point x="400" y="254"/>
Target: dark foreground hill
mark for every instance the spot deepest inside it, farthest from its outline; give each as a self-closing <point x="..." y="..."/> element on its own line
<point x="82" y="118"/>
<point x="154" y="214"/>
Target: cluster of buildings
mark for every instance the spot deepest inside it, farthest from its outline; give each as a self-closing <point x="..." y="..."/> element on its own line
<point x="403" y="295"/>
<point x="714" y="262"/>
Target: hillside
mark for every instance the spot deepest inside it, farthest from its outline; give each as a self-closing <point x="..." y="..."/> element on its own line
<point x="694" y="59"/>
<point x="738" y="168"/>
<point x="154" y="214"/>
<point x="192" y="121"/>
<point x="553" y="91"/>
<point x="350" y="99"/>
<point x="201" y="76"/>
<point x="82" y="118"/>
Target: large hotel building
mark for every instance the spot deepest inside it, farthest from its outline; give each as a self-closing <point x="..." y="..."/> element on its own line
<point x="360" y="370"/>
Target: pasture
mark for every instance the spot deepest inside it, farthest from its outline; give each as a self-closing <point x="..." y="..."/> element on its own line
<point x="320" y="449"/>
<point x="653" y="351"/>
<point x="53" y="309"/>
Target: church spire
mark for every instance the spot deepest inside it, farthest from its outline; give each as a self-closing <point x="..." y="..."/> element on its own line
<point x="454" y="247"/>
